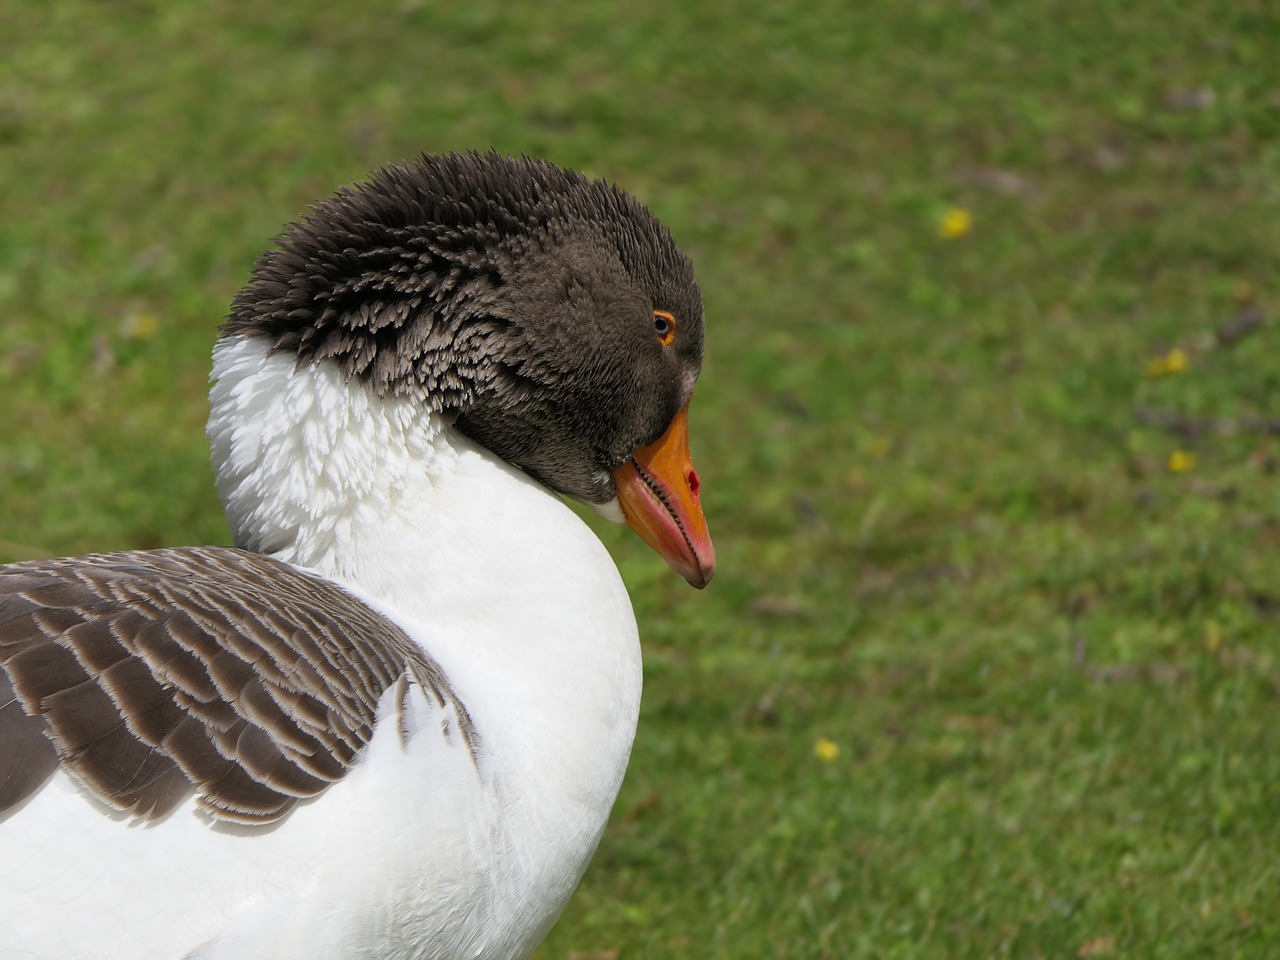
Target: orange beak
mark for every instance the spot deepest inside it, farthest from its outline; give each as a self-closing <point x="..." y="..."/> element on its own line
<point x="658" y="492"/>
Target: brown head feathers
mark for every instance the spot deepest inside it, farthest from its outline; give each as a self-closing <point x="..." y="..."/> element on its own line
<point x="507" y="292"/>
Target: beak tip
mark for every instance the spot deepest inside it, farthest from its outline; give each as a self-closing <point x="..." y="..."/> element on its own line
<point x="700" y="575"/>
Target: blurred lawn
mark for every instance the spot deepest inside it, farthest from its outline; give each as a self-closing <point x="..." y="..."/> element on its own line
<point x="990" y="666"/>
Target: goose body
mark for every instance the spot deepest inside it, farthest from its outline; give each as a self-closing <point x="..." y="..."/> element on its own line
<point x="390" y="722"/>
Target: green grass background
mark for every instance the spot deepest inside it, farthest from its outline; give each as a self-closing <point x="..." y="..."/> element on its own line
<point x="936" y="469"/>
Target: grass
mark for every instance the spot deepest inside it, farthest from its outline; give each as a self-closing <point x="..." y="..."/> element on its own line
<point x="937" y="469"/>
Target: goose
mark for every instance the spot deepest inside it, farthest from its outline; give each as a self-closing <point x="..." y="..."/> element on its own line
<point x="391" y="721"/>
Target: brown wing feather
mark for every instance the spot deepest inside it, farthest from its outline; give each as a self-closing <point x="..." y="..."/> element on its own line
<point x="151" y="674"/>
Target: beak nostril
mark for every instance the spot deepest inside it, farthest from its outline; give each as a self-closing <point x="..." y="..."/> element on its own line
<point x="692" y="478"/>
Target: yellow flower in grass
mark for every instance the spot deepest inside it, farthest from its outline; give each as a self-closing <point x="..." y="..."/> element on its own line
<point x="955" y="223"/>
<point x="1167" y="364"/>
<point x="1181" y="461"/>
<point x="140" y="326"/>
<point x="826" y="750"/>
<point x="1176" y="360"/>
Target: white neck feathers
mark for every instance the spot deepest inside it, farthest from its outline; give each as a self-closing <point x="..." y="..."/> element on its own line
<point x="304" y="461"/>
<point x="497" y="578"/>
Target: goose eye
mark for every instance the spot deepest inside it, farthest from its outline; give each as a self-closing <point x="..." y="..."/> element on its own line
<point x="664" y="324"/>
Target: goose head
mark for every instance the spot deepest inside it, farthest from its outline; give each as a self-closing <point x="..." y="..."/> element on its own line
<point x="550" y="317"/>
